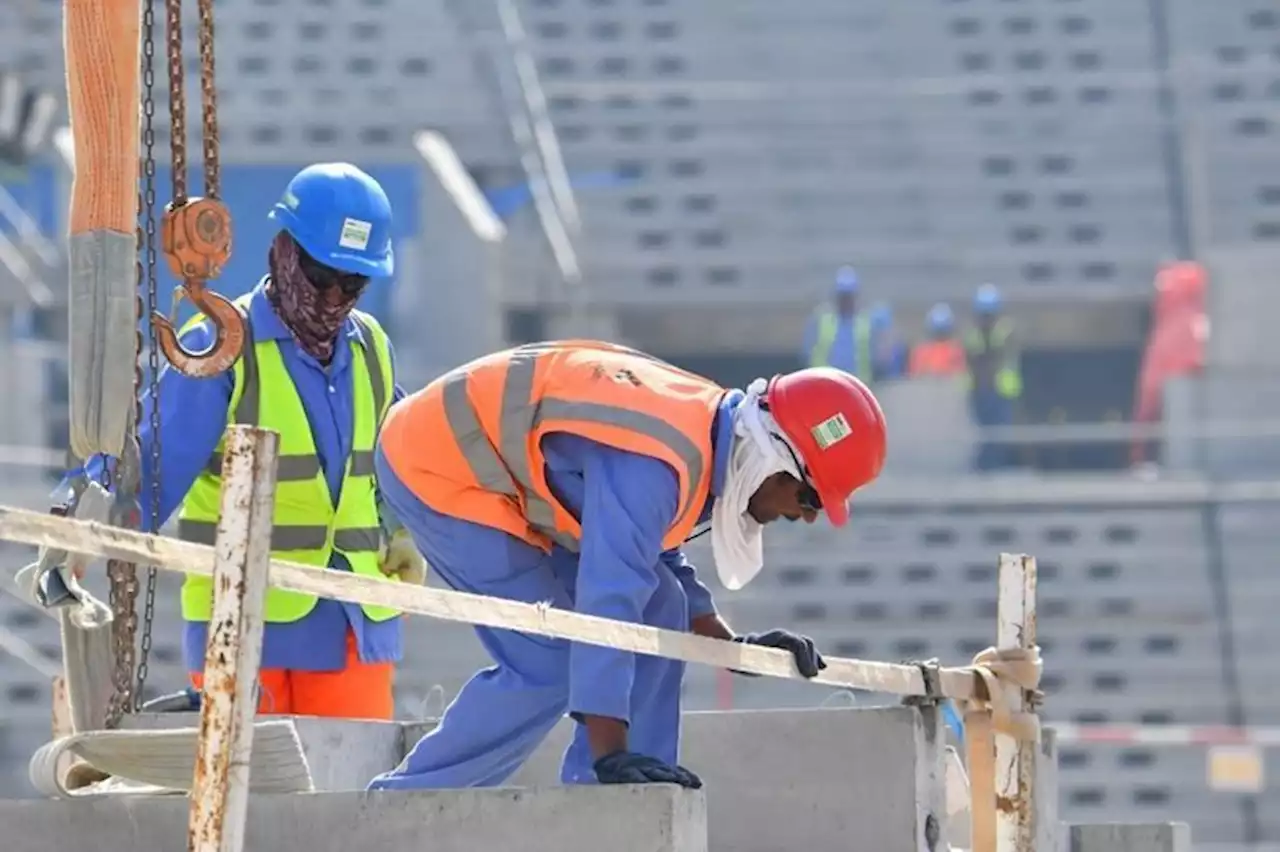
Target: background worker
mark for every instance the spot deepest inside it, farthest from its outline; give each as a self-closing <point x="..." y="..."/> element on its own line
<point x="572" y="473"/>
<point x="889" y="350"/>
<point x="995" y="374"/>
<point x="941" y="354"/>
<point x="839" y="335"/>
<point x="321" y="374"/>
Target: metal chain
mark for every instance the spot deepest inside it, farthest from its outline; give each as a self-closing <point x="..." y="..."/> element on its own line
<point x="177" y="100"/>
<point x="124" y="596"/>
<point x="123" y="576"/>
<point x="147" y="238"/>
<point x="209" y="100"/>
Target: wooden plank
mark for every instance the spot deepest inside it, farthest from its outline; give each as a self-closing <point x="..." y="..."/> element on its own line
<point x="168" y="554"/>
<point x="220" y="791"/>
<point x="1015" y="768"/>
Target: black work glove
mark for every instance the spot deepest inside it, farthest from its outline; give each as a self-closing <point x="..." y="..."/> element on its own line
<point x="627" y="767"/>
<point x="808" y="660"/>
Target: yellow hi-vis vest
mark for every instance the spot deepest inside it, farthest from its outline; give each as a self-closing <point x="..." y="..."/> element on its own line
<point x="1008" y="374"/>
<point x="828" y="326"/>
<point x="307" y="527"/>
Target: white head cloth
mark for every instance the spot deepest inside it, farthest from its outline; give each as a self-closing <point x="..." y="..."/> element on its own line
<point x="759" y="451"/>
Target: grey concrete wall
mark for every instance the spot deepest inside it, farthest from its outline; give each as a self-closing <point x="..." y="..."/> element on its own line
<point x="557" y="819"/>
<point x="815" y="780"/>
<point x="812" y="780"/>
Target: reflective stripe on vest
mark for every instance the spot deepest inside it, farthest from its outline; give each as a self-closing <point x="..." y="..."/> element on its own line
<point x="469" y="443"/>
<point x="828" y="328"/>
<point x="307" y="528"/>
<point x="1008" y="376"/>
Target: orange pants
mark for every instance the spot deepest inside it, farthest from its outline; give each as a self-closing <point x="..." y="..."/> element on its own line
<point x="359" y="691"/>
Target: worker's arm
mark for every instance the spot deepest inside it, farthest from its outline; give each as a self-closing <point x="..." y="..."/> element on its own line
<point x="390" y="523"/>
<point x="192" y="417"/>
<point x="399" y="556"/>
<point x="700" y="602"/>
<point x="628" y="503"/>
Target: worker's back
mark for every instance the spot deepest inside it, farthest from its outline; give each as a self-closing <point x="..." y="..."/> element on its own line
<point x="469" y="443"/>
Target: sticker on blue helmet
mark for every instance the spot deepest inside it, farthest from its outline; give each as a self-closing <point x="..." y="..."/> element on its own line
<point x="355" y="234"/>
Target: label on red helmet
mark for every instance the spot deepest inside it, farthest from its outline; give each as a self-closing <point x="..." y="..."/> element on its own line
<point x="355" y="234"/>
<point x="831" y="431"/>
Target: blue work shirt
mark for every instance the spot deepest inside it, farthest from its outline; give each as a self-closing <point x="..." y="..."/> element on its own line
<point x="629" y="481"/>
<point x="625" y="502"/>
<point x="193" y="416"/>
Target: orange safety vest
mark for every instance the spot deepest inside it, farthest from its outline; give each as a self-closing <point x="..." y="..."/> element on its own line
<point x="468" y="444"/>
<point x="937" y="358"/>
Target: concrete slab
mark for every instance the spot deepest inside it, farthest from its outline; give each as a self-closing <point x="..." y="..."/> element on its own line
<point x="649" y="818"/>
<point x="1126" y="837"/>
<point x="821" y="780"/>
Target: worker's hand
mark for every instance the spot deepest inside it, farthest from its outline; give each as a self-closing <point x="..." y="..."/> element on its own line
<point x="627" y="767"/>
<point x="808" y="660"/>
<point x="401" y="560"/>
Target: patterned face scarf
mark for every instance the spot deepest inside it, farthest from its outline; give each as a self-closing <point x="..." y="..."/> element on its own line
<point x="313" y="300"/>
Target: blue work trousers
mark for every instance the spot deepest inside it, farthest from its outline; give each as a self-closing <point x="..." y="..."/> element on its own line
<point x="504" y="712"/>
<point x="992" y="409"/>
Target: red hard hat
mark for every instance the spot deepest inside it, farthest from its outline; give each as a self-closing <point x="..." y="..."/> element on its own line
<point x="835" y="423"/>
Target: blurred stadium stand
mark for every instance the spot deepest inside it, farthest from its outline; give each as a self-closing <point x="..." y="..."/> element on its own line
<point x="725" y="157"/>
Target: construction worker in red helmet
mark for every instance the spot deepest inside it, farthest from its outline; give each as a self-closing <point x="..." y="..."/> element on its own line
<point x="571" y="473"/>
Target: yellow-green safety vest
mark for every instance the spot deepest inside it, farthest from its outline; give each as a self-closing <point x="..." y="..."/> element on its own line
<point x="307" y="528"/>
<point x="1008" y="375"/>
<point x="828" y="327"/>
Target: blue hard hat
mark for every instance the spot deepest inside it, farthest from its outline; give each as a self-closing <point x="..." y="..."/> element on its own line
<point x="940" y="317"/>
<point x="846" y="280"/>
<point x="987" y="299"/>
<point x="341" y="217"/>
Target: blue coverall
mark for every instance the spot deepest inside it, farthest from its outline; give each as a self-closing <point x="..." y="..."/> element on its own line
<point x="625" y="503"/>
<point x="193" y="415"/>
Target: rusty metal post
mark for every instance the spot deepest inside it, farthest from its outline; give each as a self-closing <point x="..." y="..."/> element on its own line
<point x="1015" y="768"/>
<point x="242" y="555"/>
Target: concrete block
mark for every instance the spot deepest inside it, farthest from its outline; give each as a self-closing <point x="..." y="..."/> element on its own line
<point x="343" y="754"/>
<point x="1049" y="828"/>
<point x="821" y="780"/>
<point x="1131" y="837"/>
<point x="648" y="818"/>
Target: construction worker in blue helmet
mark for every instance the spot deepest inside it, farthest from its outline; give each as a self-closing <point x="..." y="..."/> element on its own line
<point x="840" y="335"/>
<point x="320" y="373"/>
<point x="994" y="372"/>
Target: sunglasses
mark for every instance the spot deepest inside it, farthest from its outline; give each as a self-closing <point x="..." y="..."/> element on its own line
<point x="326" y="277"/>
<point x="807" y="495"/>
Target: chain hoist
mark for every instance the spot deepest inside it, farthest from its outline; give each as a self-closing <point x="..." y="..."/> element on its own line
<point x="196" y="232"/>
<point x="196" y="237"/>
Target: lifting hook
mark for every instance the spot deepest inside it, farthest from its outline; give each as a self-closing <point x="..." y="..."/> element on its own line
<point x="197" y="243"/>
